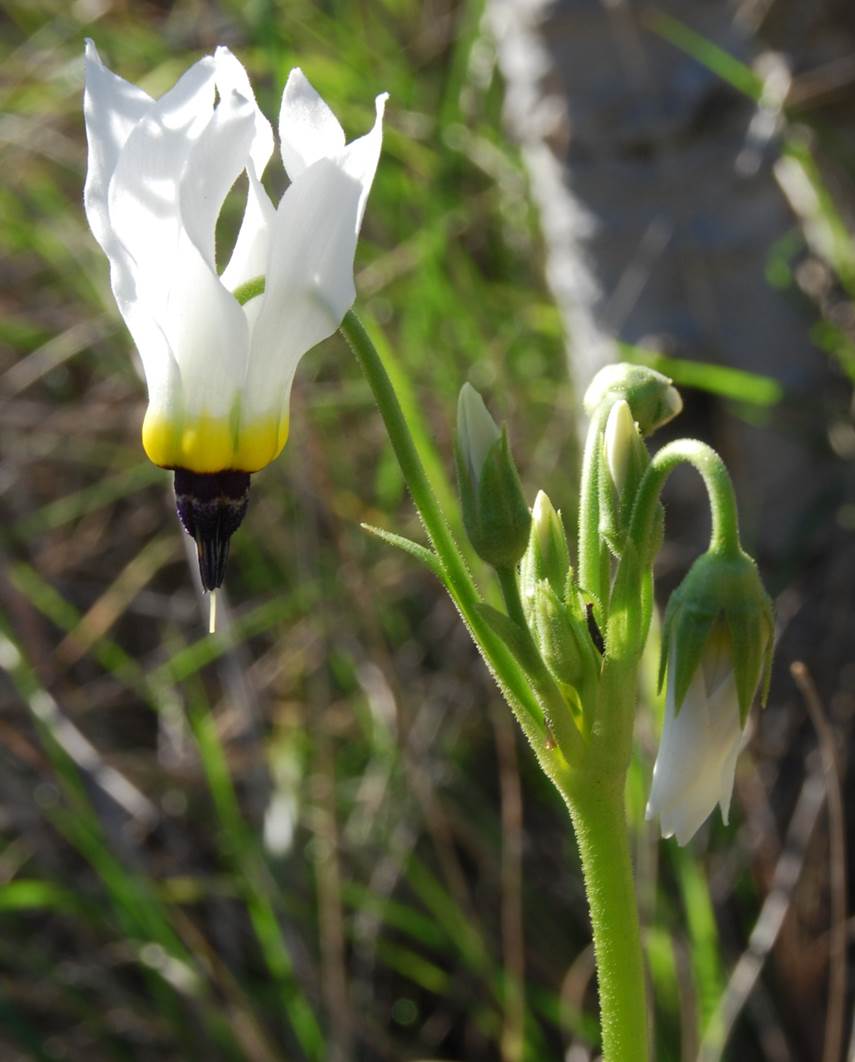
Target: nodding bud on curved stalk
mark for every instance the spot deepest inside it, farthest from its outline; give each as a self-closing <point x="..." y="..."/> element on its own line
<point x="717" y="647"/>
<point x="495" y="514"/>
<point x="653" y="399"/>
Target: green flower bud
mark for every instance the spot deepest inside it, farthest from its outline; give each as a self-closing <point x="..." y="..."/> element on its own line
<point x="719" y="619"/>
<point x="495" y="514"/>
<point x="563" y="639"/>
<point x="547" y="556"/>
<point x="652" y="397"/>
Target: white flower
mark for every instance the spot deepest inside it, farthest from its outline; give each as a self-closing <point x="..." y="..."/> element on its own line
<point x="219" y="373"/>
<point x="700" y="744"/>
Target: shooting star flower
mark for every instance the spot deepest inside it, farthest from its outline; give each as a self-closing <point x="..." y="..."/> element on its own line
<point x="219" y="350"/>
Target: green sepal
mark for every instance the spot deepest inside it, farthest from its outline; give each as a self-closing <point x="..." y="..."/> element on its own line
<point x="563" y="639"/>
<point x="421" y="553"/>
<point x="495" y="513"/>
<point x="721" y="592"/>
<point x="611" y="525"/>
<point x="683" y="644"/>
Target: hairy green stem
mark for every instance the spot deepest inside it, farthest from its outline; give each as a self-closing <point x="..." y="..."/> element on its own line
<point x="591" y="547"/>
<point x="724" y="537"/>
<point x="596" y="804"/>
<point x="511" y="594"/>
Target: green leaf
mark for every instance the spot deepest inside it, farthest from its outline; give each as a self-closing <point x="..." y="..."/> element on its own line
<point x="415" y="549"/>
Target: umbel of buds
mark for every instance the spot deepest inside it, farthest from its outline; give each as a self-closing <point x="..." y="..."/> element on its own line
<point x="495" y="514"/>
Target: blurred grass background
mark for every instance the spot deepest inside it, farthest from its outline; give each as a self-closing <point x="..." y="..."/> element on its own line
<point x="316" y="835"/>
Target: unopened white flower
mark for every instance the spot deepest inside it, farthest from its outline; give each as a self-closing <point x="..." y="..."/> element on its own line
<point x="700" y="744"/>
<point x="477" y="432"/>
<point x="219" y="373"/>
<point x="619" y="440"/>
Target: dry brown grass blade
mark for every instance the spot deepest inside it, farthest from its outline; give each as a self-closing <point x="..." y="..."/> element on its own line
<point x="835" y="1016"/>
<point x="770" y="920"/>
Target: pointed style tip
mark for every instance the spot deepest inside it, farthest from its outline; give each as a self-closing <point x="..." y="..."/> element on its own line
<point x="211" y="507"/>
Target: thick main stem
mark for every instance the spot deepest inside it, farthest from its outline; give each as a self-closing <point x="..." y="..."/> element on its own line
<point x="597" y="809"/>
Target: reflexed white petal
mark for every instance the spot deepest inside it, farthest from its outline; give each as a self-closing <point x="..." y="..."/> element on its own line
<point x="112" y="108"/>
<point x="360" y="158"/>
<point x="143" y="197"/>
<point x="697" y="756"/>
<point x="208" y="333"/>
<point x="231" y="77"/>
<point x="308" y="129"/>
<point x="213" y="165"/>
<point x="249" y="257"/>
<point x="309" y="278"/>
<point x="206" y="327"/>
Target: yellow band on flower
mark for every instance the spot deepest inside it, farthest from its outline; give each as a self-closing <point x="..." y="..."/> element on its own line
<point x="213" y="444"/>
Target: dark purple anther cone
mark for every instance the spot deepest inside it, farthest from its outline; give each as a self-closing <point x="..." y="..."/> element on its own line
<point x="211" y="506"/>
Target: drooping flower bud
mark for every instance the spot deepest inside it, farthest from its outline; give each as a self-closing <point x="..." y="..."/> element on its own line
<point x="547" y="556"/>
<point x="717" y="646"/>
<point x="495" y="514"/>
<point x="652" y="397"/>
<point x="721" y="590"/>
